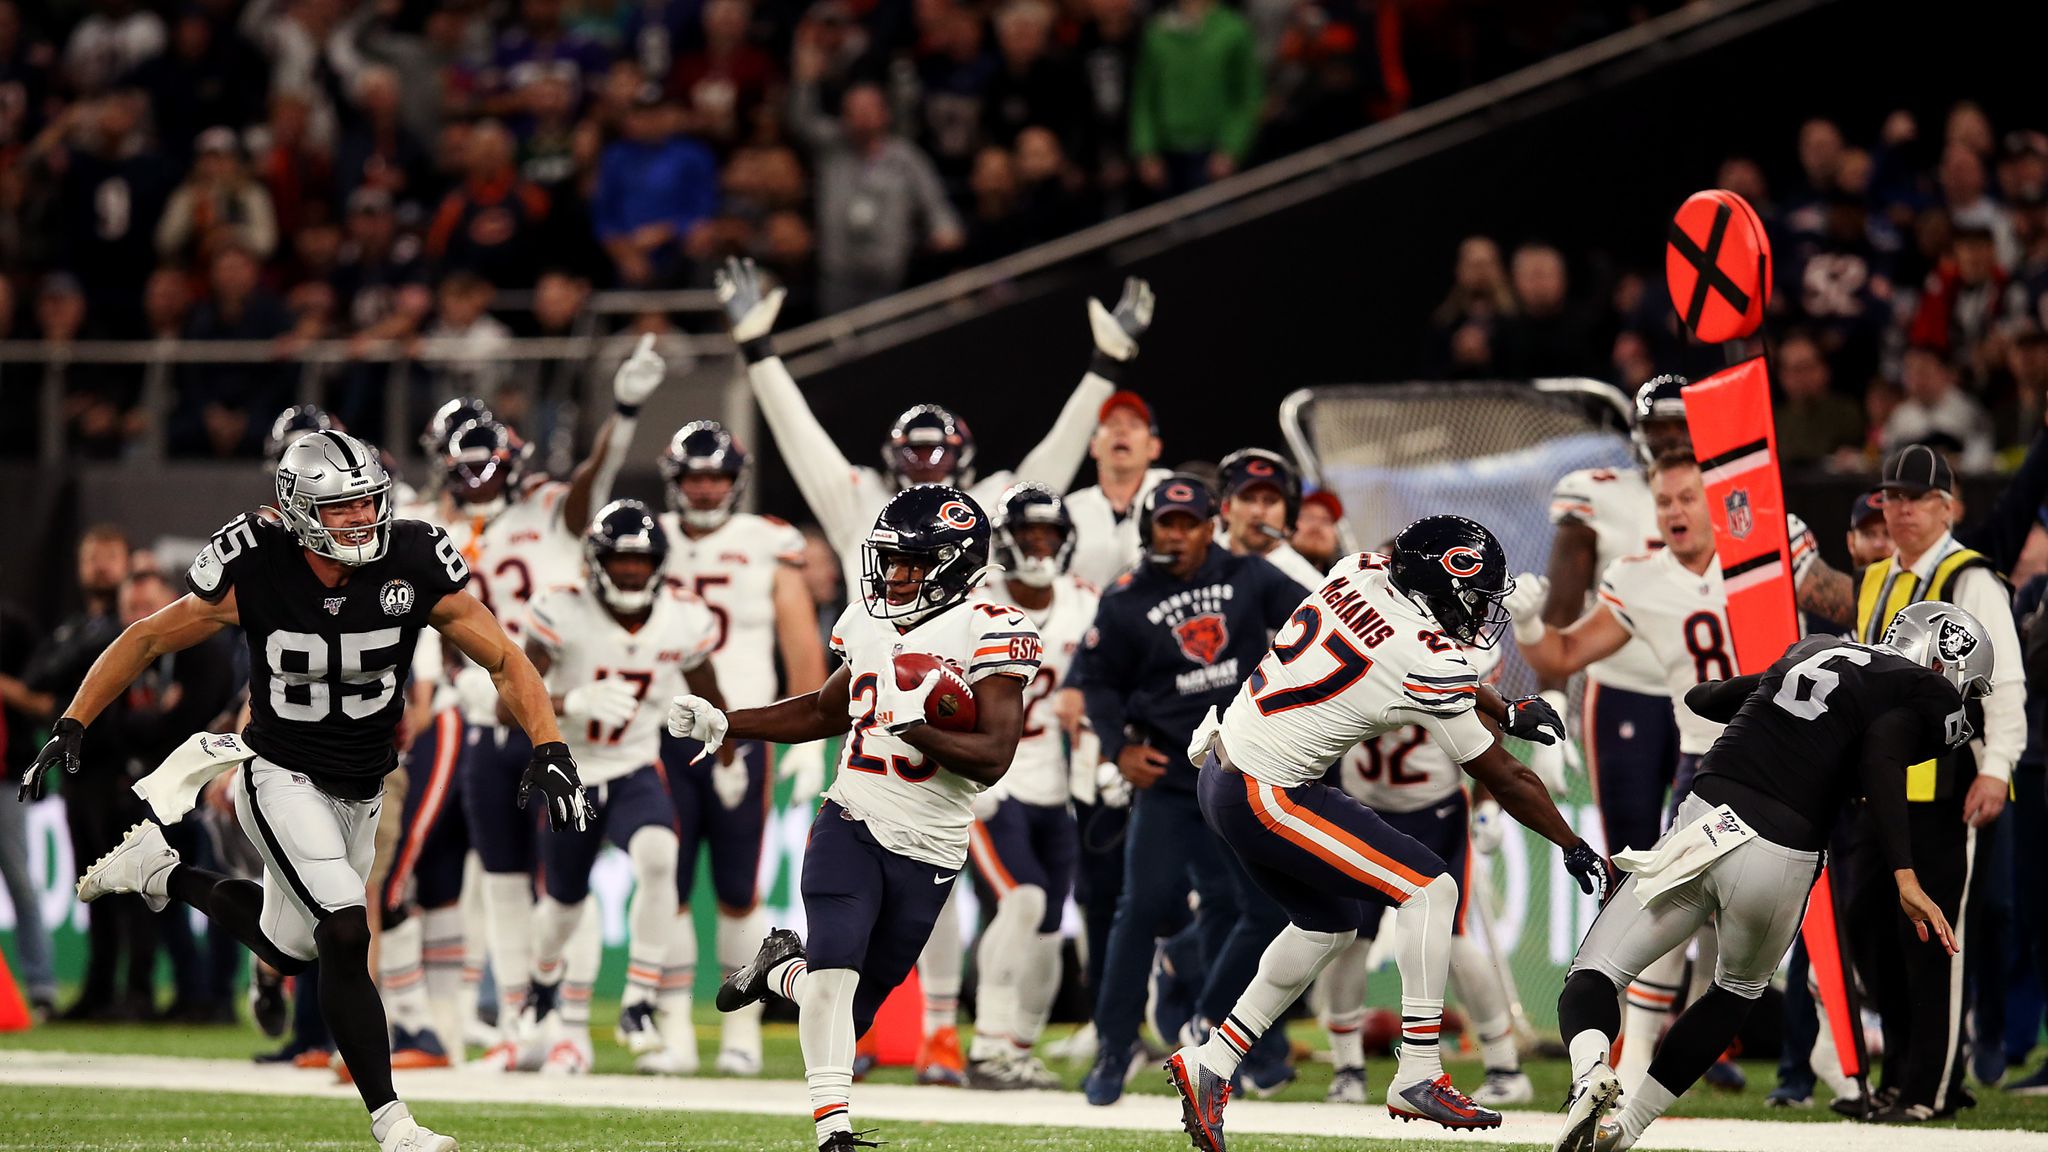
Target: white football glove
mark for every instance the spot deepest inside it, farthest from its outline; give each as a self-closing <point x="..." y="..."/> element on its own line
<point x="609" y="702"/>
<point x="1116" y="333"/>
<point x="476" y="695"/>
<point x="1111" y="789"/>
<point x="749" y="311"/>
<point x="640" y="375"/>
<point x="1800" y="546"/>
<point x="729" y="782"/>
<point x="1547" y="762"/>
<point x="1525" y="606"/>
<point x="804" y="764"/>
<point x="1574" y="764"/>
<point x="1488" y="826"/>
<point x="897" y="710"/>
<point x="693" y="718"/>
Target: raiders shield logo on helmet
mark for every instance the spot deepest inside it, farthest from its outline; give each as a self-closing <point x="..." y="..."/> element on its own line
<point x="1202" y="638"/>
<point x="1953" y="641"/>
<point x="396" y="597"/>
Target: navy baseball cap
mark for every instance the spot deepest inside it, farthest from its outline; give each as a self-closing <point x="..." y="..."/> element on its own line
<point x="1867" y="506"/>
<point x="1182" y="492"/>
<point x="1917" y="470"/>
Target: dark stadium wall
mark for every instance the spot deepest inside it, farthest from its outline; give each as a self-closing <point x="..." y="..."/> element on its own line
<point x="1339" y="289"/>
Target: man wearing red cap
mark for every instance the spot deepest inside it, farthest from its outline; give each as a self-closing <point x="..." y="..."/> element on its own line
<point x="1125" y="448"/>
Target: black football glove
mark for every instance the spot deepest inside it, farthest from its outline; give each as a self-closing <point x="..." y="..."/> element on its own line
<point x="65" y="736"/>
<point x="1532" y="718"/>
<point x="552" y="773"/>
<point x="1589" y="868"/>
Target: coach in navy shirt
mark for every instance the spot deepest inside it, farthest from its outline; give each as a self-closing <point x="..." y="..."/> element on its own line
<point x="1172" y="639"/>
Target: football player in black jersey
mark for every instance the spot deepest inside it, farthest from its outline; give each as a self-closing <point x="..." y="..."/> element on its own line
<point x="1829" y="722"/>
<point x="332" y="592"/>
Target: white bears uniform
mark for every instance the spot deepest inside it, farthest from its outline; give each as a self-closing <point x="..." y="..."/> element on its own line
<point x="1683" y="620"/>
<point x="1105" y="544"/>
<point x="1357" y="659"/>
<point x="586" y="644"/>
<point x="911" y="806"/>
<point x="1403" y="770"/>
<point x="521" y="551"/>
<point x="732" y="570"/>
<point x="1616" y="504"/>
<point x="1038" y="772"/>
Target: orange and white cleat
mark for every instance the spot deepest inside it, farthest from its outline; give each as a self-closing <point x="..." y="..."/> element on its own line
<point x="939" y="1062"/>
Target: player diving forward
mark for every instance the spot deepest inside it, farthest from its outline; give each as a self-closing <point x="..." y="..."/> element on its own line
<point x="928" y="444"/>
<point x="893" y="835"/>
<point x="332" y="598"/>
<point x="1830" y="721"/>
<point x="1374" y="648"/>
<point x="1025" y="843"/>
<point x="611" y="652"/>
<point x="1418" y="790"/>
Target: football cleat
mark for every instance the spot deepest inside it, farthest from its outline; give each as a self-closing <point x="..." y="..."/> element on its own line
<point x="137" y="864"/>
<point x="421" y="1049"/>
<point x="1202" y="1096"/>
<point x="1592" y="1097"/>
<point x="749" y="984"/>
<point x="844" y="1141"/>
<point x="938" y="1059"/>
<point x="1042" y="1078"/>
<point x="1789" y="1096"/>
<point x="637" y="1031"/>
<point x="1902" y="1114"/>
<point x="998" y="1074"/>
<point x="536" y="1020"/>
<point x="1610" y="1138"/>
<point x="267" y="1003"/>
<point x="1504" y="1087"/>
<point x="571" y="1055"/>
<point x="1438" y="1100"/>
<point x="738" y="1062"/>
<point x="1347" y="1086"/>
<point x="1726" y="1075"/>
<point x="1078" y="1045"/>
<point x="408" y="1135"/>
<point x="1104" y="1084"/>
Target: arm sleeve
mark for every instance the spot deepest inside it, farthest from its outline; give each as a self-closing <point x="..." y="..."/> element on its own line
<point x="1572" y="499"/>
<point x="1982" y="595"/>
<point x="1462" y="736"/>
<point x="1108" y="654"/>
<point x="1007" y="646"/>
<point x="2002" y="534"/>
<point x="1058" y="457"/>
<point x="1720" y="700"/>
<point x="1889" y="744"/>
<point x="822" y="473"/>
<point x="544" y="622"/>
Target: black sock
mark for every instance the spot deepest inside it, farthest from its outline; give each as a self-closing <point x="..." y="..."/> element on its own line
<point x="236" y="905"/>
<point x="349" y="1001"/>
<point x="1589" y="1000"/>
<point x="1698" y="1037"/>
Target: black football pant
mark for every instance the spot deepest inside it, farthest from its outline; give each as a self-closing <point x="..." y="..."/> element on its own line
<point x="1919" y="987"/>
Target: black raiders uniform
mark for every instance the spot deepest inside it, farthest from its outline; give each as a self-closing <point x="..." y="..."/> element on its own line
<point x="327" y="666"/>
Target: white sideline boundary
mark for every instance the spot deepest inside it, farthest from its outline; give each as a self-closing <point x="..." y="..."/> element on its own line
<point x="887" y="1102"/>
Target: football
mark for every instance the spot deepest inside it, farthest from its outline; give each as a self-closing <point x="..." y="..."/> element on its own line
<point x="951" y="704"/>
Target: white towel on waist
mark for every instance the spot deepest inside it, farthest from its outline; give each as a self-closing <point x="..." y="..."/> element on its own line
<point x="173" y="789"/>
<point x="1684" y="852"/>
<point x="1205" y="735"/>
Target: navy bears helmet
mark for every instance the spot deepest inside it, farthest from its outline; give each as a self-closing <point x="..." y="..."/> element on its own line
<point x="1454" y="568"/>
<point x="293" y="423"/>
<point x="939" y="532"/>
<point x="1021" y="506"/>
<point x="624" y="528"/>
<point x="928" y="444"/>
<point x="483" y="466"/>
<point x="704" y="448"/>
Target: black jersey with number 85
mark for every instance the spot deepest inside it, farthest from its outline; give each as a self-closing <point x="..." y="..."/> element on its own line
<point x="328" y="666"/>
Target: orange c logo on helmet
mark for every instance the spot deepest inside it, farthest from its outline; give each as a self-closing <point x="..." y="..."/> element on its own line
<point x="1463" y="561"/>
<point x="1259" y="468"/>
<point x="954" y="514"/>
<point x="1180" y="494"/>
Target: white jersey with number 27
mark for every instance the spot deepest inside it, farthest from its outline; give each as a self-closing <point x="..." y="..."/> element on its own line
<point x="1403" y="770"/>
<point x="1356" y="659"/>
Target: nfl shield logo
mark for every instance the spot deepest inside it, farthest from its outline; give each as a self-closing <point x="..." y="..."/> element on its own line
<point x="334" y="604"/>
<point x="1740" y="522"/>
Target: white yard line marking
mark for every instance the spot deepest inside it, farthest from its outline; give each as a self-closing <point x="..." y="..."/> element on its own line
<point x="887" y="1102"/>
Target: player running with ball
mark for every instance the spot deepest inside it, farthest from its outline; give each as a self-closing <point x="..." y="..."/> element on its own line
<point x="1373" y="649"/>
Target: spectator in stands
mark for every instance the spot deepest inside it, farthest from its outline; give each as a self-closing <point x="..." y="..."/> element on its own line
<point x="786" y="246"/>
<point x="878" y="197"/>
<point x="2027" y="361"/>
<point x="25" y="59"/>
<point x="1548" y="335"/>
<point x="1317" y="91"/>
<point x="487" y="225"/>
<point x="31" y="953"/>
<point x="166" y="303"/>
<point x="296" y="160"/>
<point x="97" y="397"/>
<point x="762" y="179"/>
<point x="1196" y="96"/>
<point x="471" y="343"/>
<point x="110" y="43"/>
<point x="954" y="72"/>
<point x="1051" y="190"/>
<point x="379" y="276"/>
<point x="218" y="201"/>
<point x="1935" y="405"/>
<point x="655" y="189"/>
<point x="541" y="44"/>
<point x="211" y="77"/>
<point x="1031" y="87"/>
<point x="722" y="85"/>
<point x="224" y="409"/>
<point x="1821" y="151"/>
<point x="1815" y="423"/>
<point x="1960" y="302"/>
<point x="376" y="149"/>
<point x="1479" y="302"/>
<point x="995" y="225"/>
<point x="113" y="189"/>
<point x="1108" y="56"/>
<point x="1963" y="184"/>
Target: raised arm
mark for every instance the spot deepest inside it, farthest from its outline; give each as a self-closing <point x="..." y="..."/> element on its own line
<point x="1574" y="559"/>
<point x="1058" y="457"/>
<point x="590" y="486"/>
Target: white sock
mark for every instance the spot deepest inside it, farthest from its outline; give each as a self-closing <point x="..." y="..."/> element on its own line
<point x="1646" y="1010"/>
<point x="1286" y="969"/>
<point x="508" y="906"/>
<point x="739" y="937"/>
<point x="401" y="978"/>
<point x="1477" y="980"/>
<point x="1422" y="953"/>
<point x="1587" y="1049"/>
<point x="476" y="933"/>
<point x="651" y="917"/>
<point x="938" y="969"/>
<point x="553" y="923"/>
<point x="1003" y="951"/>
<point x="1343" y="985"/>
<point x="1038" y="985"/>
<point x="679" y="983"/>
<point x="584" y="956"/>
<point x="824" y="1029"/>
<point x="441" y="954"/>
<point x="1649" y="1101"/>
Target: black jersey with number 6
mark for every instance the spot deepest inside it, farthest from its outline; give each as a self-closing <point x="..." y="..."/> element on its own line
<point x="327" y="666"/>
<point x="1803" y="737"/>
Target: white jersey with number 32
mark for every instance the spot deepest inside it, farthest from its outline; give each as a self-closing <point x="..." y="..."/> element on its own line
<point x="1356" y="659"/>
<point x="1403" y="770"/>
<point x="1038" y="773"/>
<point x="912" y="806"/>
<point x="1683" y="619"/>
<point x="586" y="644"/>
<point x="732" y="569"/>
